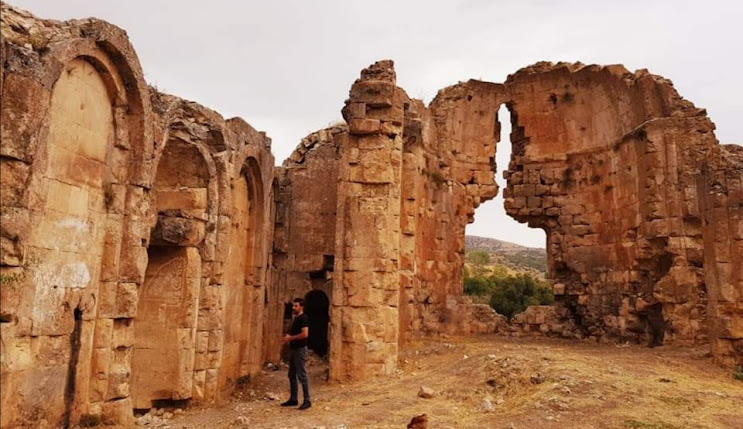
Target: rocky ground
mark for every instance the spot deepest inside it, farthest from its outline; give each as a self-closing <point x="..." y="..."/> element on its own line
<point x="499" y="382"/>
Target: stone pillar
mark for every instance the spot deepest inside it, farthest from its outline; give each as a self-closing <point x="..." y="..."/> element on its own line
<point x="364" y="306"/>
<point x="723" y="247"/>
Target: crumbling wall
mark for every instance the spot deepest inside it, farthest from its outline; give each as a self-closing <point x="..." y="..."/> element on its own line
<point x="451" y="167"/>
<point x="117" y="203"/>
<point x="611" y="164"/>
<point x="605" y="161"/>
<point x="304" y="243"/>
<point x="722" y="213"/>
<point x="366" y="292"/>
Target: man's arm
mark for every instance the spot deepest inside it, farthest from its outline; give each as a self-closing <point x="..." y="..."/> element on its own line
<point x="300" y="336"/>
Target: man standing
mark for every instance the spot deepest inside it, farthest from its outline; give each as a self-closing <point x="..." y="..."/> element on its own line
<point x="297" y="340"/>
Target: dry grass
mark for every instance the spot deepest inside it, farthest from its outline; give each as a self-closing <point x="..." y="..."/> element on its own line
<point x="585" y="386"/>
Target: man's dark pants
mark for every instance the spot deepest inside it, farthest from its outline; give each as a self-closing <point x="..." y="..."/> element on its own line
<point x="297" y="359"/>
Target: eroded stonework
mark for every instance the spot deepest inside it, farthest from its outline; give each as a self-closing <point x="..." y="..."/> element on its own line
<point x="136" y="232"/>
<point x="640" y="204"/>
<point x="149" y="247"/>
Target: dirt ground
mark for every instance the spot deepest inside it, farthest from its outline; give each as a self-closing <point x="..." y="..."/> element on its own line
<point x="530" y="383"/>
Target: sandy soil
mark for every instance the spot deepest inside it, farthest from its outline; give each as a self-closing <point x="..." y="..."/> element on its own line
<point x="531" y="383"/>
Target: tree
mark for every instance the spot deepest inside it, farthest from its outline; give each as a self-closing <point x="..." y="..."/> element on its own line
<point x="513" y="294"/>
<point x="478" y="257"/>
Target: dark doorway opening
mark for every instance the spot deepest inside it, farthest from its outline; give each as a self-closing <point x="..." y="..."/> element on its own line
<point x="317" y="308"/>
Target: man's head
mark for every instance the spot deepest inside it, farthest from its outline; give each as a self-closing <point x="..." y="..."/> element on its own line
<point x="297" y="306"/>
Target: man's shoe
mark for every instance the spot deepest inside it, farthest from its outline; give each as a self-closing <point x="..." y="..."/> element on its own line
<point x="305" y="405"/>
<point x="290" y="403"/>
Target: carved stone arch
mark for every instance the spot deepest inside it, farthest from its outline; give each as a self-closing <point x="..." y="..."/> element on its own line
<point x="83" y="148"/>
<point x="244" y="278"/>
<point x="185" y="198"/>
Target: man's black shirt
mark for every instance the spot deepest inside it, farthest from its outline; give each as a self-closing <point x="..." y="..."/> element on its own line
<point x="301" y="321"/>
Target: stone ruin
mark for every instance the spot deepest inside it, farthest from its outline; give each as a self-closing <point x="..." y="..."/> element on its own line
<point x="149" y="246"/>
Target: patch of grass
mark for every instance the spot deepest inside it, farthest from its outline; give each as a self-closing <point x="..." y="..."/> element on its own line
<point x="675" y="400"/>
<point x="9" y="279"/>
<point x="39" y="43"/>
<point x="738" y="373"/>
<point x="436" y="177"/>
<point x="636" y="424"/>
<point x="89" y="421"/>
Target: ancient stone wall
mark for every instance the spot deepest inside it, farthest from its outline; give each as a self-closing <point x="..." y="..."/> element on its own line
<point x="450" y="168"/>
<point x="606" y="164"/>
<point x="304" y="235"/>
<point x="126" y="214"/>
<point x="722" y="213"/>
<point x="149" y="247"/>
<point x="364" y="305"/>
<point x="623" y="175"/>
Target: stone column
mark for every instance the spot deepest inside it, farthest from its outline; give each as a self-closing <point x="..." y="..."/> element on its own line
<point x="364" y="307"/>
<point x="722" y="206"/>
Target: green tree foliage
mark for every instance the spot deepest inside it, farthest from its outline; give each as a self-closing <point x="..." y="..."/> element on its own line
<point x="478" y="257"/>
<point x="514" y="293"/>
<point x="509" y="294"/>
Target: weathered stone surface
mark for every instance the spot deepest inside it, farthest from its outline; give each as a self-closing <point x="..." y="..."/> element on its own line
<point x="635" y="251"/>
<point x="97" y="293"/>
<point x="149" y="247"/>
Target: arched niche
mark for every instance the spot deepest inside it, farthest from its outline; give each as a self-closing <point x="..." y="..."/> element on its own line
<point x="243" y="287"/>
<point x="165" y="326"/>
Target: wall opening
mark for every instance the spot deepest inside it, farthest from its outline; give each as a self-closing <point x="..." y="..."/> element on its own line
<point x="496" y="245"/>
<point x="317" y="308"/>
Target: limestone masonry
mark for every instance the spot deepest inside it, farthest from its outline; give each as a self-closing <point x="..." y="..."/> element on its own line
<point x="150" y="247"/>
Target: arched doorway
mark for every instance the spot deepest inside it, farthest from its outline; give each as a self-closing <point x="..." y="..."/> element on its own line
<point x="317" y="308"/>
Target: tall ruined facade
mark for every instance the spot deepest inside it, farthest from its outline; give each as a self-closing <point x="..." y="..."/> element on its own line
<point x="136" y="232"/>
<point x="640" y="204"/>
<point x="149" y="247"/>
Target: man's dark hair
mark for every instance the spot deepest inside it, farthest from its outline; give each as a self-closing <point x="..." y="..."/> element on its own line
<point x="299" y="300"/>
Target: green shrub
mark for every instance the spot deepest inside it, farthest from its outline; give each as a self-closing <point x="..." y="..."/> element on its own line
<point x="477" y="286"/>
<point x="513" y="294"/>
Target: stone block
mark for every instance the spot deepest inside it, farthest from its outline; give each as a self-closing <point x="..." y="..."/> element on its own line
<point x="178" y="231"/>
<point x="364" y="126"/>
<point x="118" y="411"/>
<point x="174" y="199"/>
<point x="375" y="94"/>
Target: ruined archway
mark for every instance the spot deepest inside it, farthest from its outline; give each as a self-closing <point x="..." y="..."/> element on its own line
<point x="502" y="254"/>
<point x="164" y="350"/>
<point x="317" y="308"/>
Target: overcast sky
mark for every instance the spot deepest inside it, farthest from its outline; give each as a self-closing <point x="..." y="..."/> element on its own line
<point x="286" y="66"/>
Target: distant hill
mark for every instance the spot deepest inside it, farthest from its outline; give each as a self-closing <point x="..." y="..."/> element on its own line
<point x="515" y="257"/>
